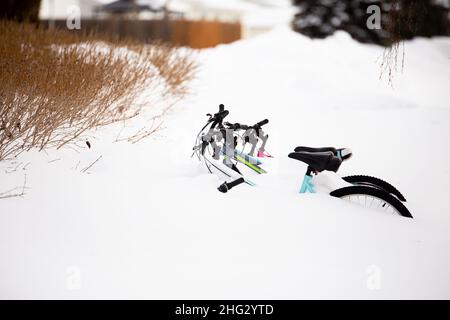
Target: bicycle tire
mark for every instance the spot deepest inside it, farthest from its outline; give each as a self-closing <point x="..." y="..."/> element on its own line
<point x="372" y="181"/>
<point x="374" y="193"/>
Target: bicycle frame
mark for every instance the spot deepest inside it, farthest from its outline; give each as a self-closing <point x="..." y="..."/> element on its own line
<point x="307" y="185"/>
<point x="223" y="138"/>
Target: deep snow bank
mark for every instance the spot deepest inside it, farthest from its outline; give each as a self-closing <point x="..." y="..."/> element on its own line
<point x="146" y="221"/>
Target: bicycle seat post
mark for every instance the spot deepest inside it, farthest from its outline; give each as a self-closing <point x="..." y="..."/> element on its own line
<point x="307" y="185"/>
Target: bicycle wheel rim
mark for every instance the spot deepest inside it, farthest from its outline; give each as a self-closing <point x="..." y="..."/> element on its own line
<point x="373" y="198"/>
<point x="371" y="202"/>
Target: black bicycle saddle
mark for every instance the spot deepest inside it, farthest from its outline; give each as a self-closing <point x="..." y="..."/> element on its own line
<point x="309" y="149"/>
<point x="343" y="153"/>
<point x="318" y="161"/>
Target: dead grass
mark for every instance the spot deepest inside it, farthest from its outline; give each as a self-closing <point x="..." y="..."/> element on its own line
<point x="56" y="85"/>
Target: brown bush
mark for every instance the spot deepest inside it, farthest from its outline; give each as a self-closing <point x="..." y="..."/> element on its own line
<point x="55" y="85"/>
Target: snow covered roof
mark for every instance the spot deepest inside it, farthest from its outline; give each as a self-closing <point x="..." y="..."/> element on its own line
<point x="261" y="13"/>
<point x="123" y="6"/>
<point x="60" y="9"/>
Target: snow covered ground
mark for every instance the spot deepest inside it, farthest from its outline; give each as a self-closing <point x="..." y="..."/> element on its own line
<point x="146" y="220"/>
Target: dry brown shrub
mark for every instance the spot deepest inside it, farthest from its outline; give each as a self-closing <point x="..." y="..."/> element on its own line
<point x="56" y="85"/>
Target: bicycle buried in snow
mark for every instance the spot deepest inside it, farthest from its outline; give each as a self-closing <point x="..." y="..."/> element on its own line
<point x="223" y="147"/>
<point x="364" y="190"/>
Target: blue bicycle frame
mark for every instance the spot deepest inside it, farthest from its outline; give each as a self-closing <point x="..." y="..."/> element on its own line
<point x="307" y="185"/>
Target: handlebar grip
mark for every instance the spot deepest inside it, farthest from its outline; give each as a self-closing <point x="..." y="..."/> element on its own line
<point x="221" y="115"/>
<point x="224" y="187"/>
<point x="261" y="123"/>
<point x="224" y="113"/>
<point x="221" y="107"/>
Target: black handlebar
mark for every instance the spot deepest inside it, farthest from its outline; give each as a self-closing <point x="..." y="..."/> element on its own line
<point x="218" y="117"/>
<point x="224" y="187"/>
<point x="261" y="123"/>
<point x="221" y="115"/>
<point x="238" y="126"/>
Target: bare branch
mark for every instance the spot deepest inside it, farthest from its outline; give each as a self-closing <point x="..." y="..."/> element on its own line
<point x="90" y="166"/>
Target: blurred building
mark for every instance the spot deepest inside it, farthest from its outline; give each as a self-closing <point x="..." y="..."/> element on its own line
<point x="195" y="23"/>
<point x="61" y="9"/>
<point x="255" y="16"/>
<point x="125" y="7"/>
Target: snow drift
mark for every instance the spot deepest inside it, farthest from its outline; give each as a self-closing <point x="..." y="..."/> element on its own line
<point x="146" y="221"/>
